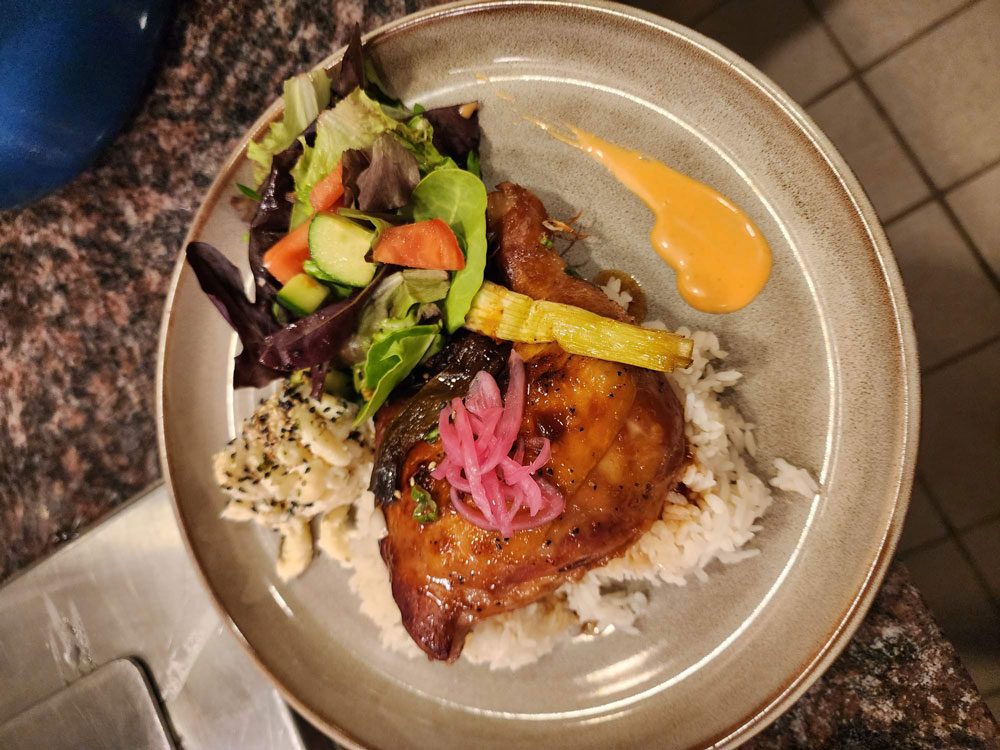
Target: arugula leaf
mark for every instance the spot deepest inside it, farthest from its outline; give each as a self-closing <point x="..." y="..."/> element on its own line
<point x="390" y="360"/>
<point x="458" y="198"/>
<point x="305" y="95"/>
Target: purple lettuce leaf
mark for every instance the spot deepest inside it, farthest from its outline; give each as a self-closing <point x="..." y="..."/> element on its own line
<point x="220" y="281"/>
<point x="388" y="179"/>
<point x="316" y="338"/>
<point x="454" y="135"/>
<point x="352" y="66"/>
<point x="273" y="217"/>
<point x="317" y="379"/>
<point x="353" y="163"/>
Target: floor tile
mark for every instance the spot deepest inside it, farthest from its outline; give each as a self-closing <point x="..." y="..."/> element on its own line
<point x="954" y="305"/>
<point x="962" y="609"/>
<point x="870" y="29"/>
<point x="983" y="543"/>
<point x="977" y="208"/>
<point x="848" y="117"/>
<point x="782" y="38"/>
<point x="941" y="91"/>
<point x="923" y="522"/>
<point x="682" y="11"/>
<point x="960" y="437"/>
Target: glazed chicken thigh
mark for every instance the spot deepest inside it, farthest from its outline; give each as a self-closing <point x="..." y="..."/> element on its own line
<point x="617" y="442"/>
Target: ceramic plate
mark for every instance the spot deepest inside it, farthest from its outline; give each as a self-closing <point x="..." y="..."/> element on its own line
<point x="831" y="380"/>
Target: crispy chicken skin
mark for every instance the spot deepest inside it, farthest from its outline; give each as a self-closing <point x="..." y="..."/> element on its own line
<point x="617" y="443"/>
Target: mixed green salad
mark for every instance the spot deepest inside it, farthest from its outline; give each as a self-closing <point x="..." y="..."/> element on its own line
<point x="369" y="240"/>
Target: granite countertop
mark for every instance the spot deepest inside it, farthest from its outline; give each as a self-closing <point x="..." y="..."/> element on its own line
<point x="76" y="371"/>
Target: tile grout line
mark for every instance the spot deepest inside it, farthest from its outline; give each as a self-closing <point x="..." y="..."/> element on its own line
<point x="986" y="268"/>
<point x="953" y="535"/>
<point x="916" y="549"/>
<point x="984" y="265"/>
<point x="816" y="98"/>
<point x="859" y="70"/>
<point x="941" y="193"/>
<point x="701" y="16"/>
<point x="958" y="357"/>
<point x="946" y="535"/>
<point x="862" y="69"/>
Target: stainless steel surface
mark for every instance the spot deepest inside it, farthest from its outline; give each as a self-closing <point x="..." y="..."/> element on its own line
<point x="128" y="589"/>
<point x="111" y="708"/>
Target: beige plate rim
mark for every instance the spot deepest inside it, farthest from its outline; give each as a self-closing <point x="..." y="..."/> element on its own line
<point x="774" y="705"/>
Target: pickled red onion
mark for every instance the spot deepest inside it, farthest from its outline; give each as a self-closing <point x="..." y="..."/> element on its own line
<point x="478" y="436"/>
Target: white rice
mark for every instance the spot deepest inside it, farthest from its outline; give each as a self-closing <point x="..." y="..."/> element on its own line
<point x="727" y="500"/>
<point x="615" y="292"/>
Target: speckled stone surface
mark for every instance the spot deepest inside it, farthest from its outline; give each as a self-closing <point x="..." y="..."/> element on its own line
<point x="897" y="686"/>
<point x="85" y="274"/>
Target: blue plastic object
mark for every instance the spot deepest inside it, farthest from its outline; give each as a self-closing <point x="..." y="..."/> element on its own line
<point x="71" y="73"/>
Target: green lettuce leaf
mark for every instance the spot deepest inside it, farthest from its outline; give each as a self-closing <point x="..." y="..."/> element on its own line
<point x="472" y="164"/>
<point x="391" y="359"/>
<point x="396" y="304"/>
<point x="355" y="122"/>
<point x="305" y="96"/>
<point x="458" y="198"/>
<point x="418" y="136"/>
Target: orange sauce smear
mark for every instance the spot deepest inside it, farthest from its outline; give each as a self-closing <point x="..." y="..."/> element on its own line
<point x="721" y="258"/>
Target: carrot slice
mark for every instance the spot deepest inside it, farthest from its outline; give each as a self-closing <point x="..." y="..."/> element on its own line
<point x="425" y="244"/>
<point x="284" y="258"/>
<point x="329" y="190"/>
